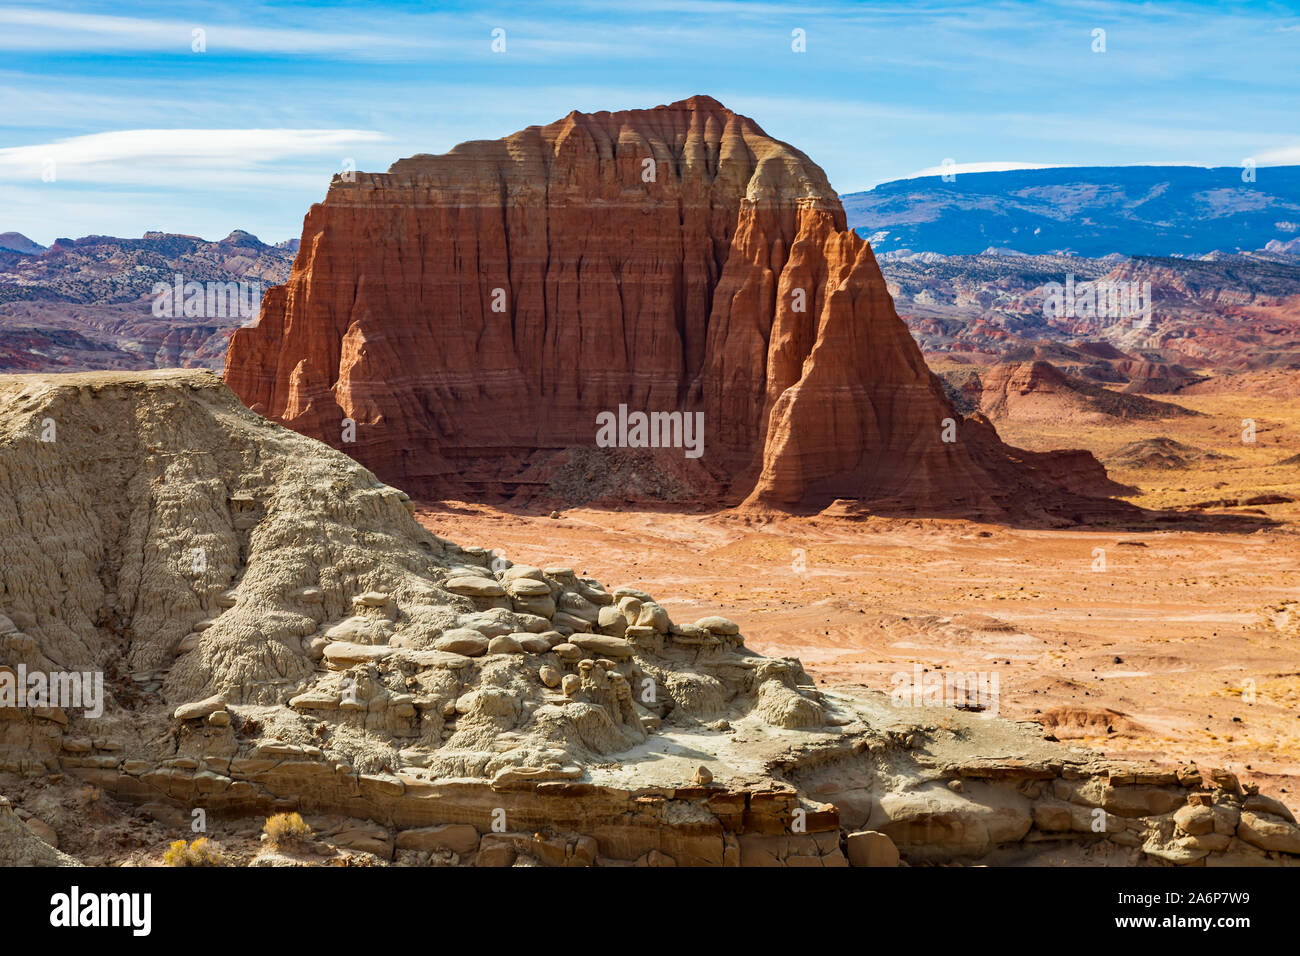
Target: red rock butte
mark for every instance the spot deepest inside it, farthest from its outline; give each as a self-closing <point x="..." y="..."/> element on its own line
<point x="474" y="312"/>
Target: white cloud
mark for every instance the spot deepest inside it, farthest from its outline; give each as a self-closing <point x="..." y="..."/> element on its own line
<point x="146" y="155"/>
<point x="1287" y="156"/>
<point x="337" y="35"/>
<point x="47" y="29"/>
<point x="992" y="167"/>
<point x="1282" y="156"/>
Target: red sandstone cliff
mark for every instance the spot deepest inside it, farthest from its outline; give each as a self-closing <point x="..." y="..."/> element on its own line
<point x="718" y="279"/>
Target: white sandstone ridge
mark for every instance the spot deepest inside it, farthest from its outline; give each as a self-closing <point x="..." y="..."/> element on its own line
<point x="277" y="631"/>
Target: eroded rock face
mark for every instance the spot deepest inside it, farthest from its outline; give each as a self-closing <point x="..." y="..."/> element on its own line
<point x="205" y="558"/>
<point x="276" y="631"/>
<point x="24" y="844"/>
<point x="473" y="313"/>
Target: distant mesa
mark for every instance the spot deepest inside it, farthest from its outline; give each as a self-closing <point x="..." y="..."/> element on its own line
<point x="1162" y="452"/>
<point x="17" y="242"/>
<point x="1038" y="391"/>
<point x="1084" y="211"/>
<point x="472" y="313"/>
<point x="156" y="234"/>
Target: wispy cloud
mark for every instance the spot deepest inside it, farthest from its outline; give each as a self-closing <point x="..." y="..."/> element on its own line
<point x="141" y="155"/>
<point x="1282" y="156"/>
<point x="44" y="29"/>
<point x="347" y="34"/>
<point x="990" y="167"/>
<point x="146" y="134"/>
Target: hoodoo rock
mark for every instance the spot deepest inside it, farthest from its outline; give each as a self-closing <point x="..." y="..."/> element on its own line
<point x="464" y="323"/>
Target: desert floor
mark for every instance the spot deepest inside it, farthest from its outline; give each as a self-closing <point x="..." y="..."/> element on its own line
<point x="1183" y="645"/>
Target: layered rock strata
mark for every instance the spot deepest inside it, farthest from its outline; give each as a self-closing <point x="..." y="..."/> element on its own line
<point x="460" y="323"/>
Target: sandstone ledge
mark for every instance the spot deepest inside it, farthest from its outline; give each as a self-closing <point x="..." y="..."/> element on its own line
<point x="902" y="774"/>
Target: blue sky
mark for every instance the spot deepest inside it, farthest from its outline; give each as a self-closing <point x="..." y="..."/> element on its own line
<point x="145" y="133"/>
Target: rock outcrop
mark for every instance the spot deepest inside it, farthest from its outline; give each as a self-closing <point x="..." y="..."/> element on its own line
<point x="460" y="323"/>
<point x="275" y="631"/>
<point x="20" y="845"/>
<point x="1040" y="392"/>
<point x="1162" y="452"/>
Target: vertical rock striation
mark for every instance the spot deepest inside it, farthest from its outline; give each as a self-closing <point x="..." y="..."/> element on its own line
<point x="474" y="312"/>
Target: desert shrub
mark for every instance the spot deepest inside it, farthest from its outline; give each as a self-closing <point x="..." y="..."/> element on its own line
<point x="198" y="853"/>
<point x="250" y="727"/>
<point x="286" y="830"/>
<point x="177" y="854"/>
